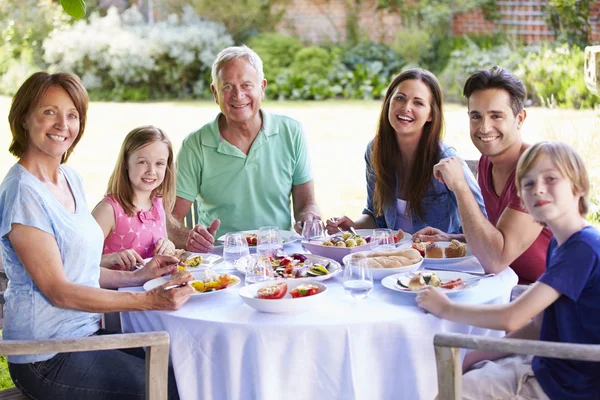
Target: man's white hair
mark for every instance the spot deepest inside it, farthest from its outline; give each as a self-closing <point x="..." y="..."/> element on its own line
<point x="235" y="52"/>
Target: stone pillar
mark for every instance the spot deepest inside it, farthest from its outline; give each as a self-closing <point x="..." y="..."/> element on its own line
<point x="592" y="69"/>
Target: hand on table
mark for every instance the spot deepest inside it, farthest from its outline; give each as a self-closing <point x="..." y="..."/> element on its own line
<point x="158" y="266"/>
<point x="201" y="239"/>
<point x="344" y="223"/>
<point x="449" y="171"/>
<point x="429" y="234"/>
<point x="162" y="246"/>
<point x="125" y="260"/>
<point x="172" y="299"/>
<point x="434" y="301"/>
<point x="308" y="216"/>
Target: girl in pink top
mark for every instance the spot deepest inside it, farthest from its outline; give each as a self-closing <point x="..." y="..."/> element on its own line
<point x="141" y="187"/>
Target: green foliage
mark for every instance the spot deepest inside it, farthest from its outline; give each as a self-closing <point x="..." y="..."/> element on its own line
<point x="276" y="51"/>
<point x="5" y="380"/>
<point x="75" y="8"/>
<point x="242" y="18"/>
<point x="554" y="77"/>
<point x="570" y="20"/>
<point x="464" y="61"/>
<point x="594" y="214"/>
<point x="412" y="45"/>
<point x="369" y="52"/>
<point x="25" y="25"/>
<point x="312" y="60"/>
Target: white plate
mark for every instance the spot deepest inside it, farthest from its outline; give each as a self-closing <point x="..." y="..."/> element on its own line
<point x="286" y="236"/>
<point x="390" y="282"/>
<point x="208" y="260"/>
<point x="334" y="267"/>
<point x="198" y="275"/>
<point x="380" y="273"/>
<point x="445" y="260"/>
<point x="285" y="305"/>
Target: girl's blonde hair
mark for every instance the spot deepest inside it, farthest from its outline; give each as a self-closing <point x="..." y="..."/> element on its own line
<point x="567" y="161"/>
<point x="119" y="185"/>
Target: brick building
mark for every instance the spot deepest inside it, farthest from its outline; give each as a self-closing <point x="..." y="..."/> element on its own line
<point x="320" y="21"/>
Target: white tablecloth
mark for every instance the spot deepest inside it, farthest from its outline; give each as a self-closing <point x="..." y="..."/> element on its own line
<point x="378" y="348"/>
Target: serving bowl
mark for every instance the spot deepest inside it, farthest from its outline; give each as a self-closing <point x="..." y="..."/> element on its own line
<point x="285" y="305"/>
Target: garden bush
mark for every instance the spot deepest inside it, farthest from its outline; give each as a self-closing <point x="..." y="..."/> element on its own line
<point x="25" y="24"/>
<point x="554" y="77"/>
<point x="276" y="51"/>
<point x="463" y="62"/>
<point x="121" y="57"/>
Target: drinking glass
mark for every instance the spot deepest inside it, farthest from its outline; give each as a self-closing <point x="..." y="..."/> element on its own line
<point x="258" y="269"/>
<point x="313" y="230"/>
<point x="268" y="241"/>
<point x="358" y="280"/>
<point x="382" y="239"/>
<point x="235" y="246"/>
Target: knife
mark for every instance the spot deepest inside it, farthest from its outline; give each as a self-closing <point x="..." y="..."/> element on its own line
<point x="455" y="270"/>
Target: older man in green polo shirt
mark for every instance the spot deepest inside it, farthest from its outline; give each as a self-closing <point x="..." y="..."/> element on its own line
<point x="243" y="166"/>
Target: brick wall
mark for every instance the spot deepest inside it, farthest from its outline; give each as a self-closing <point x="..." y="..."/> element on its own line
<point x="521" y="19"/>
<point x="317" y="21"/>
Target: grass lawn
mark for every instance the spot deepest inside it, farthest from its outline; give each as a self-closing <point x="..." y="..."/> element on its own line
<point x="5" y="381"/>
<point x="337" y="132"/>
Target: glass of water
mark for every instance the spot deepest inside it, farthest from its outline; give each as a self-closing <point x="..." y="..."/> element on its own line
<point x="258" y="269"/>
<point x="382" y="239"/>
<point x="358" y="280"/>
<point x="235" y="246"/>
<point x="313" y="229"/>
<point x="268" y="241"/>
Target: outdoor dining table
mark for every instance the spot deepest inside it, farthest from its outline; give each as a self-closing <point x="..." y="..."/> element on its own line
<point x="377" y="348"/>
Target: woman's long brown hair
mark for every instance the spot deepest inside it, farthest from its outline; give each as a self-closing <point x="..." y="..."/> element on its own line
<point x="386" y="154"/>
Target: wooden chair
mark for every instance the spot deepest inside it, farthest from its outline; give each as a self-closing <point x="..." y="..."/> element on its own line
<point x="473" y="164"/>
<point x="157" y="355"/>
<point x="449" y="361"/>
<point x="191" y="219"/>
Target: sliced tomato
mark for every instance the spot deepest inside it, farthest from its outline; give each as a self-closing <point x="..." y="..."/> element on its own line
<point x="276" y="291"/>
<point x="395" y="239"/>
<point x="304" y="290"/>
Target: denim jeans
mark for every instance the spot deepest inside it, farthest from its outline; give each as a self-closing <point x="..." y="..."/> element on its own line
<point x="89" y="375"/>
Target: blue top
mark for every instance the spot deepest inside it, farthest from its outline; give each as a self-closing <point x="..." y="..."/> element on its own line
<point x="28" y="314"/>
<point x="573" y="270"/>
<point x="439" y="203"/>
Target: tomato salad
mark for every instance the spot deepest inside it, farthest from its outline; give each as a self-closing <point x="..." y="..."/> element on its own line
<point x="295" y="266"/>
<point x="278" y="290"/>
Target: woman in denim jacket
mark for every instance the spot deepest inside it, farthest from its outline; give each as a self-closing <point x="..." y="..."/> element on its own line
<point x="401" y="190"/>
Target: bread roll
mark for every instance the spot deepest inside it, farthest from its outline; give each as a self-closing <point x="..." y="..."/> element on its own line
<point x="455" y="249"/>
<point x="416" y="283"/>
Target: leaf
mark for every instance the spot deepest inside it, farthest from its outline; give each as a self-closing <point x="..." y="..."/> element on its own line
<point x="75" y="8"/>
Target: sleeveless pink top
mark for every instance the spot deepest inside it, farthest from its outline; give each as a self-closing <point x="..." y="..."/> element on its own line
<point x="140" y="232"/>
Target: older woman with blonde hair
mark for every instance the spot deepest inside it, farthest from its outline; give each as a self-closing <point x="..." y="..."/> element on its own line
<point x="51" y="249"/>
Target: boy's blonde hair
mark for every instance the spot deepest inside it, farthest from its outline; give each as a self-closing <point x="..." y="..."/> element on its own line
<point x="567" y="161"/>
<point x="119" y="185"/>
